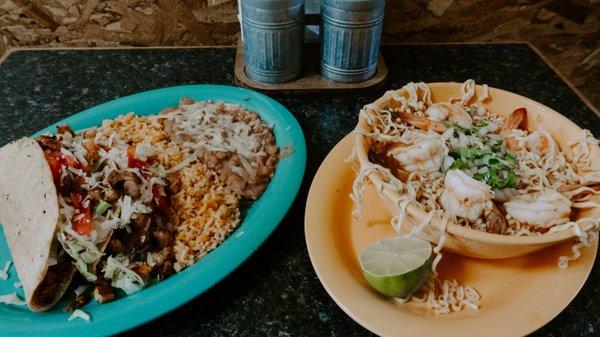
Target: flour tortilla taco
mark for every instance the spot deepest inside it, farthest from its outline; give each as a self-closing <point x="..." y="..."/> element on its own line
<point x="29" y="213"/>
<point x="63" y="197"/>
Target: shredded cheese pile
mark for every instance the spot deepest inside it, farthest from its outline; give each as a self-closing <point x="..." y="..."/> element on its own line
<point x="203" y="127"/>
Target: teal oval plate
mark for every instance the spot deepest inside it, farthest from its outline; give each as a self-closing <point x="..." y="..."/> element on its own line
<point x="259" y="222"/>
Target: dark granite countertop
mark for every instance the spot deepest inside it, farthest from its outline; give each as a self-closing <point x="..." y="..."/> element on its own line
<point x="276" y="292"/>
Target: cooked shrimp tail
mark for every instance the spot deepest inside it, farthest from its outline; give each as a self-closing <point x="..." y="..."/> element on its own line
<point x="515" y="120"/>
<point x="542" y="209"/>
<point x="452" y="112"/>
<point x="422" y="123"/>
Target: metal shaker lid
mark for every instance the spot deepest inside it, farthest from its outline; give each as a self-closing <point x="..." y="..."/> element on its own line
<point x="271" y="4"/>
<point x="354" y="5"/>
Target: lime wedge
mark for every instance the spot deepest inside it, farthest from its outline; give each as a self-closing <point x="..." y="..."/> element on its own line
<point x="397" y="266"/>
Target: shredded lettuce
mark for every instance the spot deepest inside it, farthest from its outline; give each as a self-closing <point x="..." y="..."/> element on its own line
<point x="82" y="250"/>
<point x="84" y="271"/>
<point x="101" y="208"/>
<point x="121" y="276"/>
<point x="12" y="298"/>
<point x="87" y="254"/>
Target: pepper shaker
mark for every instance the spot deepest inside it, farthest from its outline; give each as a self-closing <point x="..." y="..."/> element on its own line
<point x="350" y="38"/>
<point x="273" y="36"/>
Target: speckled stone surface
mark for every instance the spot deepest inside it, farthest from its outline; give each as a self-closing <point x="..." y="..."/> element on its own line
<point x="276" y="292"/>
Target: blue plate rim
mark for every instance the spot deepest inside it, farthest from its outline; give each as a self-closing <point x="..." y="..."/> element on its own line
<point x="292" y="173"/>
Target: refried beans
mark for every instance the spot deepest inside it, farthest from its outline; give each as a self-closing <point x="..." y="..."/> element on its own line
<point x="229" y="139"/>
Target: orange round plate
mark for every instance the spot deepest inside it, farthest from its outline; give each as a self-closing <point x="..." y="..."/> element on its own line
<point x="519" y="295"/>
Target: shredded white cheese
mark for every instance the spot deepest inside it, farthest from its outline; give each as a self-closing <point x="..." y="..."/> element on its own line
<point x="126" y="210"/>
<point x="203" y="127"/>
<point x="143" y="151"/>
<point x="81" y="289"/>
<point x="78" y="313"/>
<point x="185" y="162"/>
<point x="4" y="272"/>
<point x="150" y="259"/>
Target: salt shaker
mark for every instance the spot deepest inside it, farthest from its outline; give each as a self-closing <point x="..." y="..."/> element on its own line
<point x="350" y="37"/>
<point x="273" y="35"/>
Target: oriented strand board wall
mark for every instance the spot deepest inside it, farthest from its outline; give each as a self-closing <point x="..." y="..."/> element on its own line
<point x="566" y="31"/>
<point x="110" y="23"/>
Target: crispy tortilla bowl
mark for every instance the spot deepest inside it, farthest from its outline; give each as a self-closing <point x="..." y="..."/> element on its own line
<point x="464" y="240"/>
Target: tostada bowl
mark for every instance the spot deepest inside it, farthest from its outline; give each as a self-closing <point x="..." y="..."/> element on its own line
<point x="465" y="240"/>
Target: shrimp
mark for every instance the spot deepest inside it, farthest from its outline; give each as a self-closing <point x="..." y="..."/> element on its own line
<point x="539" y="142"/>
<point x="542" y="209"/>
<point x="513" y="122"/>
<point x="422" y="123"/>
<point x="581" y="191"/>
<point x="425" y="154"/>
<point x="453" y="112"/>
<point x="464" y="196"/>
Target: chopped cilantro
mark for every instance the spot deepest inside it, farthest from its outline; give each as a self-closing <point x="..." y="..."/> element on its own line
<point x="509" y="157"/>
<point x="497" y="146"/>
<point x="510" y="180"/>
<point x="458" y="164"/>
<point x="468" y="153"/>
<point x="494" y="168"/>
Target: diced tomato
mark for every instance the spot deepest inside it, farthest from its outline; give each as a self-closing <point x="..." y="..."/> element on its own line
<point x="86" y="168"/>
<point x="76" y="200"/>
<point x="161" y="200"/>
<point x="136" y="163"/>
<point x="83" y="226"/>
<point x="72" y="162"/>
<point x="80" y="180"/>
<point x="133" y="162"/>
<point x="54" y="161"/>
